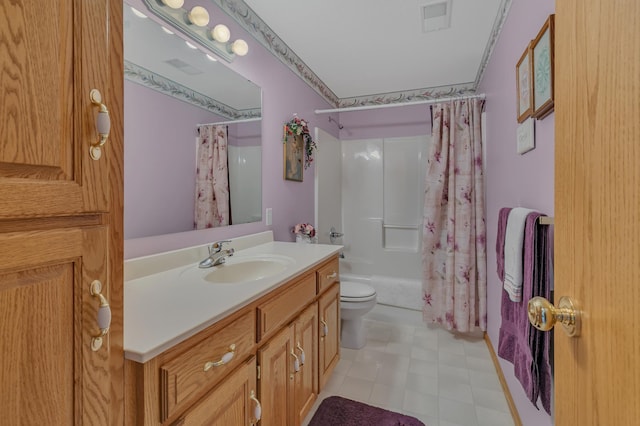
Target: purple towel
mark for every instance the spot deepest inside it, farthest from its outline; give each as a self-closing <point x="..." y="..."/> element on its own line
<point x="502" y="228"/>
<point x="519" y="342"/>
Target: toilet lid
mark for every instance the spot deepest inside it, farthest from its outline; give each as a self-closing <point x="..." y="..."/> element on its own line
<point x="356" y="292"/>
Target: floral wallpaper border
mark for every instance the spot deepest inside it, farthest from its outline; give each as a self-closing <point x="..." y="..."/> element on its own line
<point x="250" y="21"/>
<point x="151" y="80"/>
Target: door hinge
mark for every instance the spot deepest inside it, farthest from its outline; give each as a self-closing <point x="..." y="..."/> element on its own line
<point x="258" y="368"/>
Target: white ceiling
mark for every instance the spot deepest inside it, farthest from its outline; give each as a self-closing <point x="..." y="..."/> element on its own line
<point x="368" y="47"/>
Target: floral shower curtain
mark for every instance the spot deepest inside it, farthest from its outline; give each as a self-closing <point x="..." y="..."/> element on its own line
<point x="212" y="178"/>
<point x="454" y="236"/>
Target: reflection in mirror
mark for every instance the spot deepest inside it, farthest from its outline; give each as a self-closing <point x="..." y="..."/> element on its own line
<point x="171" y="89"/>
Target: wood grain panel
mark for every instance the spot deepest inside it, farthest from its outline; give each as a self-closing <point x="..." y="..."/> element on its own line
<point x="184" y="377"/>
<point x="36" y="349"/>
<point x="329" y="347"/>
<point x="51" y="55"/>
<point x="328" y="274"/>
<point x="276" y="378"/>
<point x="229" y="404"/>
<point x="597" y="205"/>
<point x="285" y="305"/>
<point x="306" y="380"/>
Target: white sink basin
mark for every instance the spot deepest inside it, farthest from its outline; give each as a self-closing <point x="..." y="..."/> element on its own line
<point x="246" y="269"/>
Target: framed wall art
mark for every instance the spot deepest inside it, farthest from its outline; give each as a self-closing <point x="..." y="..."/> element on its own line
<point x="525" y="136"/>
<point x="524" y="86"/>
<point x="293" y="157"/>
<point x="542" y="56"/>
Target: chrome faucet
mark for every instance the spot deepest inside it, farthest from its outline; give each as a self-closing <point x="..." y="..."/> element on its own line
<point x="217" y="256"/>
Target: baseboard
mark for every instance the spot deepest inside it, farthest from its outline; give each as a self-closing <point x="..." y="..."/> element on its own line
<point x="503" y="383"/>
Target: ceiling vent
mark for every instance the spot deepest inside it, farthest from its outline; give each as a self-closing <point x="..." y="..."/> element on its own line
<point x="184" y="67"/>
<point x="436" y="16"/>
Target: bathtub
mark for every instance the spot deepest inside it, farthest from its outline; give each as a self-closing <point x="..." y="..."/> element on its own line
<point x="401" y="292"/>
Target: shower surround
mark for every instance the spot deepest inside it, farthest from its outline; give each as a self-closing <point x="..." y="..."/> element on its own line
<point x="382" y="197"/>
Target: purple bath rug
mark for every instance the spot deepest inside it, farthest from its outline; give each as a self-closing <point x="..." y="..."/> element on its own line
<point x="338" y="411"/>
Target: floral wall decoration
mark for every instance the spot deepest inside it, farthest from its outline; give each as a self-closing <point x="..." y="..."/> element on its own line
<point x="300" y="127"/>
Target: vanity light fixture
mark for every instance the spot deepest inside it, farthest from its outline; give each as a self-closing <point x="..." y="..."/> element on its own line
<point x="174" y="4"/>
<point x="198" y="16"/>
<point x="221" y="33"/>
<point x="193" y="24"/>
<point x="240" y="47"/>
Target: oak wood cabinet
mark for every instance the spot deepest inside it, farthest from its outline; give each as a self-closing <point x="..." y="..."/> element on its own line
<point x="60" y="214"/>
<point x="279" y="333"/>
<point x="329" y="348"/>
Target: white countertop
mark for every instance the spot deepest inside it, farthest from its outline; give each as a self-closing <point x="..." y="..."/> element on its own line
<point x="163" y="309"/>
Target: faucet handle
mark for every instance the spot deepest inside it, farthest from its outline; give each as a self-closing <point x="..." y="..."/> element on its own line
<point x="217" y="246"/>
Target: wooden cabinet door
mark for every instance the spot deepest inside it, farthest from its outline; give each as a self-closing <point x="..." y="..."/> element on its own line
<point x="49" y="374"/>
<point x="233" y="402"/>
<point x="329" y="327"/>
<point x="53" y="54"/>
<point x="305" y="390"/>
<point x="276" y="378"/>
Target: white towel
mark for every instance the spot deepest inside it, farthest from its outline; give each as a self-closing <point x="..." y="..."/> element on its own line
<point x="513" y="246"/>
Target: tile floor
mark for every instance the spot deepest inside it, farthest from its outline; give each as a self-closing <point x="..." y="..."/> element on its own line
<point x="438" y="377"/>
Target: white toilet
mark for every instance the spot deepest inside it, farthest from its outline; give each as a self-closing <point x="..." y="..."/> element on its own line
<point x="356" y="299"/>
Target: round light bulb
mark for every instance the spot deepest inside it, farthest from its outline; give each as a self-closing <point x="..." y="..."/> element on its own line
<point x="199" y="16"/>
<point x="221" y="33"/>
<point x="174" y="4"/>
<point x="240" y="47"/>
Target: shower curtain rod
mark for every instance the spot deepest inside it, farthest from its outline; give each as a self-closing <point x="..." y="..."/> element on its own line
<point x="246" y="120"/>
<point x="426" y="102"/>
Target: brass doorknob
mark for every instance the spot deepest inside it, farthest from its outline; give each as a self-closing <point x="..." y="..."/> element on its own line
<point x="543" y="315"/>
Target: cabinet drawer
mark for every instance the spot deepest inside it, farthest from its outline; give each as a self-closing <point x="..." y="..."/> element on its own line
<point x="275" y="312"/>
<point x="328" y="274"/>
<point x="188" y="374"/>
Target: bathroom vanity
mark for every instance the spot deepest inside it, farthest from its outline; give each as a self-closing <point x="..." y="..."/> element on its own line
<point x="228" y="345"/>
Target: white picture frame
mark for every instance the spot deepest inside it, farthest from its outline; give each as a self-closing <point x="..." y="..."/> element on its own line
<point x="525" y="136"/>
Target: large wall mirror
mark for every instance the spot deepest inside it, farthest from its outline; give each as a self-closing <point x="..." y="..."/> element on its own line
<point x="170" y="89"/>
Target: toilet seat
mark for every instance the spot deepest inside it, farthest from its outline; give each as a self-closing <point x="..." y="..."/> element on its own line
<point x="356" y="292"/>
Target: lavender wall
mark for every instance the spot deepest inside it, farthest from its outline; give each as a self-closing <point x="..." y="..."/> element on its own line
<point x="245" y="134"/>
<point x="512" y="179"/>
<point x="160" y="157"/>
<point x="385" y="122"/>
<point x="283" y="94"/>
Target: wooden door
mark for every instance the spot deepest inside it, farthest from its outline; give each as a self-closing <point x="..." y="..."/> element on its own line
<point x="329" y="328"/>
<point x="276" y="378"/>
<point x="49" y="373"/>
<point x="306" y="380"/>
<point x="597" y="208"/>
<point x="232" y="402"/>
<point x="52" y="54"/>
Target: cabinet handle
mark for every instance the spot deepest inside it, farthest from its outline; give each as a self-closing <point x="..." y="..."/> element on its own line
<point x="257" y="411"/>
<point x="226" y="358"/>
<point x="296" y="362"/>
<point x="302" y="357"/>
<point x="325" y="328"/>
<point x="104" y="315"/>
<point x="332" y="276"/>
<point x="103" y="124"/>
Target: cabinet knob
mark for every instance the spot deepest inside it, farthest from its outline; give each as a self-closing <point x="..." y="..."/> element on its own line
<point x="225" y="359"/>
<point x="104" y="315"/>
